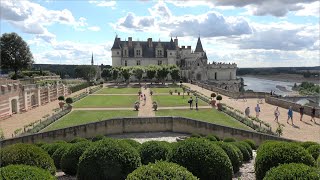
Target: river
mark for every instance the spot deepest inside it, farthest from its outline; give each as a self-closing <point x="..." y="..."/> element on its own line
<point x="264" y="85"/>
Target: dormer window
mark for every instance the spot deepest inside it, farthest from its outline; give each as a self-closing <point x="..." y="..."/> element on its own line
<point x="159" y="52"/>
<point x="138" y="52"/>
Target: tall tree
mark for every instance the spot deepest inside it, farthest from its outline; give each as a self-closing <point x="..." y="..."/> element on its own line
<point x="115" y="73"/>
<point x="138" y="72"/>
<point x="162" y="72"/>
<point x="86" y="72"/>
<point x="174" y="72"/>
<point x="106" y="74"/>
<point x="126" y="73"/>
<point x="15" y="52"/>
<point x="151" y="71"/>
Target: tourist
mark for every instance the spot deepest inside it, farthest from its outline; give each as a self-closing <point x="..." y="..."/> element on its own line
<point x="191" y="103"/>
<point x="276" y="114"/>
<point x="257" y="109"/>
<point x="196" y="101"/>
<point x="247" y="111"/>
<point x="313" y="114"/>
<point x="290" y="115"/>
<point x="144" y="98"/>
<point x="301" y="109"/>
<point x="141" y="97"/>
<point x="271" y="92"/>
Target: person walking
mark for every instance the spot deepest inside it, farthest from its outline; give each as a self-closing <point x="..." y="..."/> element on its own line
<point x="276" y="114"/>
<point x="247" y="111"/>
<point x="196" y="101"/>
<point x="290" y="115"/>
<point x="301" y="109"/>
<point x="313" y="114"/>
<point x="191" y="103"/>
<point x="144" y="98"/>
<point x="257" y="109"/>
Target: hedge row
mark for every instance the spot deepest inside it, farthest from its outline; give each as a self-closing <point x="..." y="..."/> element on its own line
<point x="79" y="87"/>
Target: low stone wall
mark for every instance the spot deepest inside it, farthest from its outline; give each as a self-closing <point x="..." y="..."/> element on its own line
<point x="286" y="104"/>
<point x="141" y="125"/>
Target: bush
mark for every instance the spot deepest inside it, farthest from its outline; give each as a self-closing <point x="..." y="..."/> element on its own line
<point x="248" y="147"/>
<point x="314" y="150"/>
<point x="61" y="98"/>
<point x="211" y="137"/>
<point x="78" y="139"/>
<point x="56" y="156"/>
<point x="27" y="154"/>
<point x="272" y="153"/>
<point x="70" y="159"/>
<point x="69" y="100"/>
<point x="232" y="154"/>
<point x="292" y="171"/>
<point x="203" y="158"/>
<point x="24" y="172"/>
<point x="240" y="155"/>
<point x="318" y="162"/>
<point x="308" y="144"/>
<point x="229" y="139"/>
<point x="244" y="151"/>
<point x="152" y="151"/>
<point x="213" y="95"/>
<point x="251" y="143"/>
<point x="195" y="135"/>
<point x="133" y="143"/>
<point x="161" y="170"/>
<point x="98" y="138"/>
<point x="51" y="148"/>
<point x="219" y="98"/>
<point x="108" y="159"/>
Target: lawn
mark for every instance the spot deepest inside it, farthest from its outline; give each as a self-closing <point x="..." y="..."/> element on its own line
<point x="82" y="117"/>
<point x="175" y="100"/>
<point x="118" y="91"/>
<point x="207" y="115"/>
<point x="114" y="101"/>
<point x="166" y="90"/>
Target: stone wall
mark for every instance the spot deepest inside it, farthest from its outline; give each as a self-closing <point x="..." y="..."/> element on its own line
<point x="286" y="104"/>
<point x="141" y="125"/>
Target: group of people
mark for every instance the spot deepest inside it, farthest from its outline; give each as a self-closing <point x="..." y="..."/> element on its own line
<point x="190" y="101"/>
<point x="257" y="109"/>
<point x="143" y="98"/>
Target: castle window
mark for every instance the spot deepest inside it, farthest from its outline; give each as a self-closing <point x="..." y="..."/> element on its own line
<point x="159" y="53"/>
<point x="198" y="64"/>
<point x="138" y="63"/>
<point x="125" y="52"/>
<point x="118" y="52"/>
<point x="159" y="62"/>
<point x="125" y="63"/>
<point x="170" y="53"/>
<point x="138" y="52"/>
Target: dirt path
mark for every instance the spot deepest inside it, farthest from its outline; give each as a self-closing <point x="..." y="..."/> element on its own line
<point x="20" y="120"/>
<point x="146" y="109"/>
<point x="303" y="130"/>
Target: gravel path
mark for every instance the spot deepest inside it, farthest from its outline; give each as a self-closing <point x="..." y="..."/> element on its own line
<point x="146" y="109"/>
<point x="246" y="171"/>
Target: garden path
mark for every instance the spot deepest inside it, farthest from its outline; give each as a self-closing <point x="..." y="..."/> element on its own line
<point x="146" y="109"/>
<point x="302" y="131"/>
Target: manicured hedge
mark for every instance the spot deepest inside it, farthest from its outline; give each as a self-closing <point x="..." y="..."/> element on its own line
<point x="108" y="159"/>
<point x="22" y="172"/>
<point x="251" y="143"/>
<point x="27" y="154"/>
<point x="203" y="158"/>
<point x="248" y="147"/>
<point x="308" y="144"/>
<point x="78" y="139"/>
<point x="272" y="153"/>
<point x="211" y="137"/>
<point x="152" y="151"/>
<point x="161" y="170"/>
<point x="56" y="156"/>
<point x="293" y="171"/>
<point x="229" y="139"/>
<point x="51" y="147"/>
<point x="314" y="150"/>
<point x="244" y="151"/>
<point x="229" y="149"/>
<point x="133" y="143"/>
<point x="70" y="159"/>
<point x="98" y="138"/>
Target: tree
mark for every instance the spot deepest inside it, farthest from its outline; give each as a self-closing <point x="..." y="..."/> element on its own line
<point x="174" y="72"/>
<point x="86" y="72"/>
<point x="106" y="73"/>
<point x="138" y="71"/>
<point x="151" y="71"/>
<point x="162" y="72"/>
<point x="126" y="73"/>
<point x="115" y="73"/>
<point x="15" y="52"/>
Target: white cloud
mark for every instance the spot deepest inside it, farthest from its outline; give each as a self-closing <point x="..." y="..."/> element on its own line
<point x="104" y="3"/>
<point x="94" y="28"/>
<point x="309" y="10"/>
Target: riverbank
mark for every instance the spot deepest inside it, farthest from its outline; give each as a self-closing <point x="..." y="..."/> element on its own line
<point x="295" y="78"/>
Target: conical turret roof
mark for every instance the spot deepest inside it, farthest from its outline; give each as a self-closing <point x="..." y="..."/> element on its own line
<point x="199" y="46"/>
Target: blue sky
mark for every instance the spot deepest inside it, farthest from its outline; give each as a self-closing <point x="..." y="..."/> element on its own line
<point x="259" y="33"/>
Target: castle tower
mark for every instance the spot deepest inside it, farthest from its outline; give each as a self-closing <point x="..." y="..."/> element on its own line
<point x="172" y="52"/>
<point x="116" y="52"/>
<point x="92" y="60"/>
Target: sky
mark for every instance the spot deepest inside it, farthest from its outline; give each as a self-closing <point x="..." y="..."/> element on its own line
<point x="251" y="33"/>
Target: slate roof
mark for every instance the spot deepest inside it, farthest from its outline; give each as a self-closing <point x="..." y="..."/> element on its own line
<point x="199" y="46"/>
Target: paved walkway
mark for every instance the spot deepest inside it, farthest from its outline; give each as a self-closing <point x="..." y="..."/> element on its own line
<point x="20" y="120"/>
<point x="303" y="130"/>
<point x="146" y="109"/>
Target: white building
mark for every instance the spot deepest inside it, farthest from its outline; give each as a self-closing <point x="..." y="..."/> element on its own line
<point x="193" y="64"/>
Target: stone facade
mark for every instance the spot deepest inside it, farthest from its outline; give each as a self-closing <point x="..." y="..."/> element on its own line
<point x="193" y="64"/>
<point x="16" y="98"/>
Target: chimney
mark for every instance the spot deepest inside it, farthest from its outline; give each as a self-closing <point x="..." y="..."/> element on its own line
<point x="189" y="47"/>
<point x="183" y="47"/>
<point x="130" y="41"/>
<point x="150" y="42"/>
<point x="176" y="41"/>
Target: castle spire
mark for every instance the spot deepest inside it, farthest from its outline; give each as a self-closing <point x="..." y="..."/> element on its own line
<point x="92" y="59"/>
<point x="199" y="46"/>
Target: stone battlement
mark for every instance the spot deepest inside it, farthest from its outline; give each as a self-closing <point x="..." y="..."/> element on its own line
<point x="221" y="65"/>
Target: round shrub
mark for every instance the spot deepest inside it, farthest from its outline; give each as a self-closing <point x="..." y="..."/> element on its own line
<point x="56" y="156"/>
<point x="314" y="150"/>
<point x="78" y="139"/>
<point x="232" y="154"/>
<point x="161" y="170"/>
<point x="51" y="148"/>
<point x="202" y="158"/>
<point x="248" y="147"/>
<point x="108" y="159"/>
<point x="152" y="151"/>
<point x="251" y="143"/>
<point x="39" y="144"/>
<point x="240" y="155"/>
<point x="133" y="143"/>
<point x="308" y="144"/>
<point x="229" y="139"/>
<point x="98" y="138"/>
<point x="244" y="151"/>
<point x="211" y="137"/>
<point x="24" y="172"/>
<point x="27" y="154"/>
<point x="271" y="154"/>
<point x="70" y="159"/>
<point x="318" y="162"/>
<point x="195" y="135"/>
<point x="292" y="171"/>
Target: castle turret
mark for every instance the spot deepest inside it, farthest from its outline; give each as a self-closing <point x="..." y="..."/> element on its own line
<point x="92" y="59"/>
<point x="172" y="52"/>
<point x="199" y="46"/>
<point x="116" y="52"/>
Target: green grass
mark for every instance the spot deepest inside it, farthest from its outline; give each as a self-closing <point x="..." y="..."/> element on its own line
<point x="207" y="115"/>
<point x="118" y="91"/>
<point x="82" y="117"/>
<point x="175" y="100"/>
<point x="166" y="90"/>
<point x="114" y="101"/>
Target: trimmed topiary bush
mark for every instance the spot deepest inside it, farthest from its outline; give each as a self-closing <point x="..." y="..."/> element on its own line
<point x="244" y="151"/>
<point x="78" y="139"/>
<point x="292" y="171"/>
<point x="56" y="156"/>
<point x="24" y="172"/>
<point x="161" y="170"/>
<point x="314" y="150"/>
<point x="251" y="143"/>
<point x="318" y="162"/>
<point x="27" y="154"/>
<point x="51" y="148"/>
<point x="308" y="144"/>
<point x="232" y="154"/>
<point x="229" y="139"/>
<point x="195" y="135"/>
<point x="248" y="147"/>
<point x="211" y="137"/>
<point x="70" y="159"/>
<point x="133" y="143"/>
<point x="202" y="158"/>
<point x="272" y="153"/>
<point x="152" y="151"/>
<point x="98" y="138"/>
<point x="108" y="159"/>
<point x="240" y="155"/>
